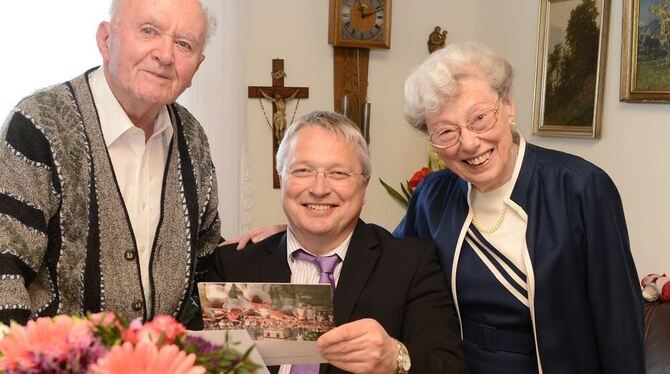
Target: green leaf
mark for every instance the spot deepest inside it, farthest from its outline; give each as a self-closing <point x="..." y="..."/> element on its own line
<point x="402" y="200"/>
<point x="405" y="190"/>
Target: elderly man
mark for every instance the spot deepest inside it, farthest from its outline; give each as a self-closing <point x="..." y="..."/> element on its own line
<point x="109" y="197"/>
<point x="391" y="304"/>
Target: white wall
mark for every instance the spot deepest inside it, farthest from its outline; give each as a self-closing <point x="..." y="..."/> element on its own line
<point x="632" y="147"/>
<point x="45" y="42"/>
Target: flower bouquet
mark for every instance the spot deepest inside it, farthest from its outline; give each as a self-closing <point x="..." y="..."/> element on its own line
<point x="105" y="343"/>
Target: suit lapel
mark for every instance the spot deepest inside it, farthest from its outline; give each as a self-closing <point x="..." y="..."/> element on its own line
<point x="271" y="263"/>
<point x="361" y="258"/>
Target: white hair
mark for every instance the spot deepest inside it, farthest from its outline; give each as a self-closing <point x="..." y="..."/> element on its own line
<point x="436" y="82"/>
<point x="210" y="20"/>
<point x="333" y="122"/>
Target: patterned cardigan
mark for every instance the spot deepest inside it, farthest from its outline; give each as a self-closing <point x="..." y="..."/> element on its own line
<point x="66" y="243"/>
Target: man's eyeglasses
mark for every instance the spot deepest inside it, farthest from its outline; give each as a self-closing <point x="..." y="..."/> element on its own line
<point x="480" y="123"/>
<point x="334" y="176"/>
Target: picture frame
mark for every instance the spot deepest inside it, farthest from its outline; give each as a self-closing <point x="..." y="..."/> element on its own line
<point x="569" y="86"/>
<point x="645" y="76"/>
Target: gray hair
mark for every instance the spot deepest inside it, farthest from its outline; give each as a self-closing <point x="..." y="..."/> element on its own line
<point x="333" y="122"/>
<point x="436" y="82"/>
<point x="210" y="20"/>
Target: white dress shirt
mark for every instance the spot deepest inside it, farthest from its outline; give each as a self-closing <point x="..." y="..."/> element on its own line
<point x="138" y="167"/>
<point x="303" y="272"/>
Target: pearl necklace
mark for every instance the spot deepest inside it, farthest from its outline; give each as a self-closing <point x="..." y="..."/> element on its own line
<point x="495" y="227"/>
<point x="501" y="217"/>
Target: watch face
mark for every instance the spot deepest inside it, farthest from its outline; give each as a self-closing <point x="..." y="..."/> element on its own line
<point x="362" y="19"/>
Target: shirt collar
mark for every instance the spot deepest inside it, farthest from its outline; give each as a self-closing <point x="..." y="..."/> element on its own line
<point x="114" y="121"/>
<point x="292" y="245"/>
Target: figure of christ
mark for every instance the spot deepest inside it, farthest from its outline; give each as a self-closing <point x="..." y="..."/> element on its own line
<point x="279" y="117"/>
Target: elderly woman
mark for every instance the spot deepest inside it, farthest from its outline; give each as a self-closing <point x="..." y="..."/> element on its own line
<point x="533" y="242"/>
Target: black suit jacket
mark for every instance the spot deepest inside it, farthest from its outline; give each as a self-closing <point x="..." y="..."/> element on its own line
<point x="398" y="282"/>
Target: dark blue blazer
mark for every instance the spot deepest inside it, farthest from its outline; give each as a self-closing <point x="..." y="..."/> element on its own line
<point x="398" y="282"/>
<point x="587" y="304"/>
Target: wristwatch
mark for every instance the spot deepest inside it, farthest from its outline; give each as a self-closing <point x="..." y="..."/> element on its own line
<point x="404" y="363"/>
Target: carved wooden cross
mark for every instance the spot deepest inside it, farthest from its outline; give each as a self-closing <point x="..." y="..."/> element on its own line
<point x="279" y="95"/>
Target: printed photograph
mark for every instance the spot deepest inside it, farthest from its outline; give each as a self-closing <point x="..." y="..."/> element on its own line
<point x="268" y="311"/>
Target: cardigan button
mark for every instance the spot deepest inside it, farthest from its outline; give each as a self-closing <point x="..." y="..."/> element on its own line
<point x="129" y="255"/>
<point x="137" y="305"/>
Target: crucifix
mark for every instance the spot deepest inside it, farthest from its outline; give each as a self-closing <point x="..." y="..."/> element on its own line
<point x="279" y="95"/>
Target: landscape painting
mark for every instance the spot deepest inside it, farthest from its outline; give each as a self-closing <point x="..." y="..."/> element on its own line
<point x="570" y="67"/>
<point x="645" y="53"/>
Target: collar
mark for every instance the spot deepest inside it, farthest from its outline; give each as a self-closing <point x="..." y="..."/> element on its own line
<point x="292" y="245"/>
<point x="114" y="121"/>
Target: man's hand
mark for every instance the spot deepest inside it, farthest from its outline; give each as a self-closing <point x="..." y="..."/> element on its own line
<point x="361" y="346"/>
<point x="254" y="235"/>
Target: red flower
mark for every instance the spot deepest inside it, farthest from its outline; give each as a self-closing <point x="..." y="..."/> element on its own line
<point x="418" y="177"/>
<point x="407" y="188"/>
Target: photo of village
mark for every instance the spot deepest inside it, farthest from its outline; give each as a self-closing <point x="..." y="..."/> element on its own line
<point x="268" y="311"/>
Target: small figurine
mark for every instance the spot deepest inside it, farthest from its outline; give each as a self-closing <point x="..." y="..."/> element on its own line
<point x="656" y="287"/>
<point x="436" y="39"/>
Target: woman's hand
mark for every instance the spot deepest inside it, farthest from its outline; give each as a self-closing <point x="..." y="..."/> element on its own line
<point x="254" y="235"/>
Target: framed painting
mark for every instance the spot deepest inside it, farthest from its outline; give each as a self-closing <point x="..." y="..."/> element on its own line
<point x="570" y="67"/>
<point x="645" y="51"/>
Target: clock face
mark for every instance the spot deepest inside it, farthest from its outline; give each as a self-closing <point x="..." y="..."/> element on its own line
<point x="361" y="23"/>
<point x="362" y="19"/>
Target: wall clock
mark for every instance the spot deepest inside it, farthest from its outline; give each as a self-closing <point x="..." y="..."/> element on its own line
<point x="360" y="23"/>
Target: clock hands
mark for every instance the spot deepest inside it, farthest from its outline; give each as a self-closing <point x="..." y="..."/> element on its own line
<point x="374" y="11"/>
<point x="363" y="7"/>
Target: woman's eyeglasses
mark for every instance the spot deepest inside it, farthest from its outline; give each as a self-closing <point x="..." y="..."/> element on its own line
<point x="480" y="123"/>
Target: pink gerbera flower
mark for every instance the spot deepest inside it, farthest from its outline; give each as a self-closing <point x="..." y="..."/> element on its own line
<point x="45" y="342"/>
<point x="146" y="358"/>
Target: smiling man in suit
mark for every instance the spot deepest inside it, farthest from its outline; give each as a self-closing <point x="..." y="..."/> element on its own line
<point x="392" y="307"/>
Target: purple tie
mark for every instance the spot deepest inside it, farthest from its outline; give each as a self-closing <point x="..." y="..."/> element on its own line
<point x="326" y="265"/>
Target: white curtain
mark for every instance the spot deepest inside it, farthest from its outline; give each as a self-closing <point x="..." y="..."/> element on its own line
<point x="218" y="98"/>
